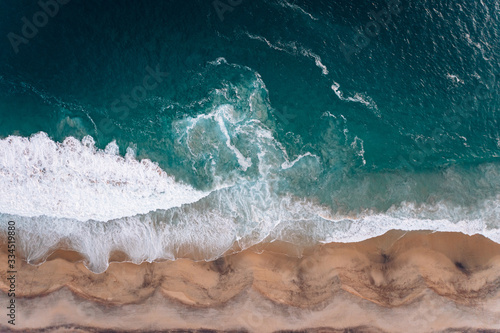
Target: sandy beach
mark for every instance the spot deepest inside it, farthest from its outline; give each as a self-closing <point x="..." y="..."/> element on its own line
<point x="261" y="166"/>
<point x="431" y="281"/>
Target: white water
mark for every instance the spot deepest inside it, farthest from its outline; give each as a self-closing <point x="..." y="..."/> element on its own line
<point x="247" y="215"/>
<point x="95" y="201"/>
<point x="50" y="189"/>
<point x="76" y="180"/>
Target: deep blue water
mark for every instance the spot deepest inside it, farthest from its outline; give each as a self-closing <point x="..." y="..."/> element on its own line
<point x="304" y="121"/>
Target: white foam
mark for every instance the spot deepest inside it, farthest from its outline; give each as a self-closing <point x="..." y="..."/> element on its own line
<point x="454" y="78"/>
<point x="358" y="98"/>
<point x="292" y="49"/>
<point x="247" y="214"/>
<point x="361" y="151"/>
<point x="263" y="39"/>
<point x="317" y="60"/>
<point x="287" y="164"/>
<point x="218" y="61"/>
<point x="244" y="162"/>
<point x="219" y="116"/>
<point x="284" y="3"/>
<point x="436" y="217"/>
<point x="76" y="180"/>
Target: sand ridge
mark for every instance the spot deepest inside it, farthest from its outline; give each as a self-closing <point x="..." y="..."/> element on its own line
<point x="389" y="270"/>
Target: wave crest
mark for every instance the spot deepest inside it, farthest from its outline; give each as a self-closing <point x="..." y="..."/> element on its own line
<point x="74" y="179"/>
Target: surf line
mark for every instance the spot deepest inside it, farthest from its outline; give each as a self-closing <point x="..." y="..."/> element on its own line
<point x="11" y="273"/>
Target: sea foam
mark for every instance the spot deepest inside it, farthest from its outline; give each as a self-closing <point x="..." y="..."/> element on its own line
<point x="244" y="215"/>
<point x="74" y="179"/>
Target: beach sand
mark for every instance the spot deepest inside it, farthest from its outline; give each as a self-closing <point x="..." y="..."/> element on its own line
<point x="417" y="281"/>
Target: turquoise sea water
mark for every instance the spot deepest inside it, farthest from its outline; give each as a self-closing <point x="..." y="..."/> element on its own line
<point x="176" y="128"/>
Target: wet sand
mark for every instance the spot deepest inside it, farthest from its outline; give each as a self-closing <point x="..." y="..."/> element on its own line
<point x="398" y="282"/>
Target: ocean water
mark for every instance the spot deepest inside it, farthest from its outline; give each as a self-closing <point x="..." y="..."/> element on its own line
<point x="169" y="129"/>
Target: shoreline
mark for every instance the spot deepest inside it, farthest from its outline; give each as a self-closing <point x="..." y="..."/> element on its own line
<point x="278" y="247"/>
<point x="396" y="271"/>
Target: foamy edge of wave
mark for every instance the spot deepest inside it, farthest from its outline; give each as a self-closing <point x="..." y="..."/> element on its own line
<point x="76" y="180"/>
<point x="205" y="235"/>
